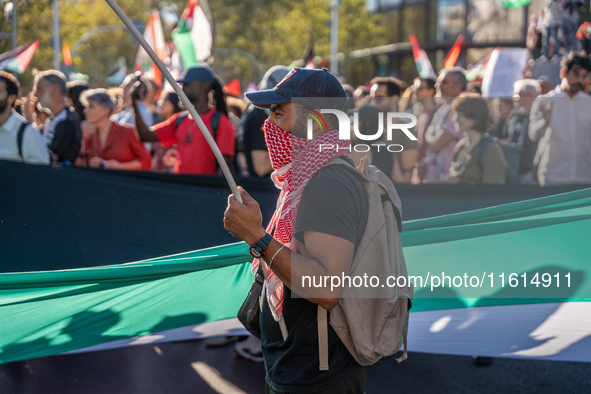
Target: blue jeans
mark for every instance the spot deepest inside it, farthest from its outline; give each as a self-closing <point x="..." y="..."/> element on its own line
<point x="569" y="30"/>
<point x="546" y="34"/>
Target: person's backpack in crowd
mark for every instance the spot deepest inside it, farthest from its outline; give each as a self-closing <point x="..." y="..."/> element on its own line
<point x="373" y="322"/>
<point x="512" y="153"/>
<point x="215" y="122"/>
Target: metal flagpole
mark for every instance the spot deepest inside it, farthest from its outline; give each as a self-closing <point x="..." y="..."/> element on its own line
<point x="182" y="96"/>
<point x="56" y="34"/>
<point x="334" y="37"/>
<point x="14" y="24"/>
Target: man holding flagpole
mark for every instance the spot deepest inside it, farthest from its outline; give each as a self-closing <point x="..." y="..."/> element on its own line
<point x="320" y="220"/>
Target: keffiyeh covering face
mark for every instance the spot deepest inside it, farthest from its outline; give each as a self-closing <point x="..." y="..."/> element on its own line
<point x="295" y="161"/>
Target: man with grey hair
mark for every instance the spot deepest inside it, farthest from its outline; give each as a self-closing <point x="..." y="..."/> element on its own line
<point x="443" y="133"/>
<point x="515" y="131"/>
<point x="62" y="134"/>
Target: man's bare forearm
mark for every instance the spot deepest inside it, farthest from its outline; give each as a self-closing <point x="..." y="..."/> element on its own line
<point x="146" y="135"/>
<point x="291" y="268"/>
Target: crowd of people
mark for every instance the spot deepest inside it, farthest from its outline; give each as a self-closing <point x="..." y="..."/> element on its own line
<point x="541" y="135"/>
<point x="558" y="16"/>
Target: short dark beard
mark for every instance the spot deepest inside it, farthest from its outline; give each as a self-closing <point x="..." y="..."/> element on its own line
<point x="3" y="105"/>
<point x="299" y="128"/>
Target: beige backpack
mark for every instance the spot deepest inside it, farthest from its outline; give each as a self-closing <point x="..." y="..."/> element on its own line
<point x="372" y="322"/>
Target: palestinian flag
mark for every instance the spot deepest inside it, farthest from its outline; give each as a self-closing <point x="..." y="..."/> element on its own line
<point x="155" y="38"/>
<point x="476" y="71"/>
<point x="19" y="58"/>
<point x="424" y="67"/>
<point x="193" y="36"/>
<point x="507" y="281"/>
<point x="308" y="56"/>
<point x="451" y="60"/>
<point x="118" y="72"/>
<point x="67" y="56"/>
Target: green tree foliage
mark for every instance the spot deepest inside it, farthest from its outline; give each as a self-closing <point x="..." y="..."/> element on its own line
<point x="276" y="32"/>
<point x="100" y="52"/>
<point x="273" y="31"/>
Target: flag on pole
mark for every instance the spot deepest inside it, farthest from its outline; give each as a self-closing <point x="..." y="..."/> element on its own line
<point x="67" y="56"/>
<point x="118" y="72"/>
<point x="424" y="67"/>
<point x="309" y="56"/>
<point x="193" y="36"/>
<point x="233" y="88"/>
<point x="155" y="38"/>
<point x="19" y="58"/>
<point x="451" y="60"/>
<point x="477" y="70"/>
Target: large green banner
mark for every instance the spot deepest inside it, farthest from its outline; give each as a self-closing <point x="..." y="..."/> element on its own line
<point x="523" y="253"/>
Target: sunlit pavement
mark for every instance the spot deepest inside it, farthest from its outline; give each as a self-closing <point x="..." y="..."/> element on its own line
<point x="190" y="367"/>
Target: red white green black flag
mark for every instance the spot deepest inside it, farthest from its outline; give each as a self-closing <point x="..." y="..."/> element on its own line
<point x="424" y="67"/>
<point x="19" y="58"/>
<point x="194" y="35"/>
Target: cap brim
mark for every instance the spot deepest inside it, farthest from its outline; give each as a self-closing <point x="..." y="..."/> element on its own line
<point x="265" y="98"/>
<point x="192" y="80"/>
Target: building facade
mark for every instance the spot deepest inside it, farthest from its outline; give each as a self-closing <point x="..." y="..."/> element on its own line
<point x="485" y="24"/>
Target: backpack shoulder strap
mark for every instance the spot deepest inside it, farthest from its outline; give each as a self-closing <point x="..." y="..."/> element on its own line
<point x="482" y="148"/>
<point x="19" y="139"/>
<point x="363" y="172"/>
<point x="322" y="338"/>
<point x="215" y="123"/>
<point x="180" y="119"/>
<point x="360" y="171"/>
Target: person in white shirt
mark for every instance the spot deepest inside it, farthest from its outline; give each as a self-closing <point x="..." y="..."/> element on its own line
<point x="31" y="148"/>
<point x="561" y="121"/>
<point x="552" y="19"/>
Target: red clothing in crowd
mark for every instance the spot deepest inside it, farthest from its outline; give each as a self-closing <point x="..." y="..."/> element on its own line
<point x="196" y="157"/>
<point x="121" y="145"/>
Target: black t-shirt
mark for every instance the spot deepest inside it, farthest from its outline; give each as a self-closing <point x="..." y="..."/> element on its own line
<point x="334" y="202"/>
<point x="67" y="137"/>
<point x="254" y="137"/>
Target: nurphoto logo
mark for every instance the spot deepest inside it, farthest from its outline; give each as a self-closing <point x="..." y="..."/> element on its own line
<point x="362" y="131"/>
<point x="345" y="129"/>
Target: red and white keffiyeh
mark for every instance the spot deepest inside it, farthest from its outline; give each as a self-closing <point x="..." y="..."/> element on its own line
<point x="295" y="161"/>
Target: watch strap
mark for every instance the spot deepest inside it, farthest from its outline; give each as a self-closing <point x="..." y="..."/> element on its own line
<point x="262" y="244"/>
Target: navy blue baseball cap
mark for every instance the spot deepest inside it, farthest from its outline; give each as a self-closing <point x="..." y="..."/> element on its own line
<point x="198" y="73"/>
<point x="299" y="83"/>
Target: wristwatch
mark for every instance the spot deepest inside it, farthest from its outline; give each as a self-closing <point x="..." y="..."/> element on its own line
<point x="258" y="248"/>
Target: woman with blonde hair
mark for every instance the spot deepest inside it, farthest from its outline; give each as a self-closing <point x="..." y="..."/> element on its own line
<point x="110" y="145"/>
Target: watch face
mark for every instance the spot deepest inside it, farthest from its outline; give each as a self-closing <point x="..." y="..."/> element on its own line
<point x="255" y="252"/>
